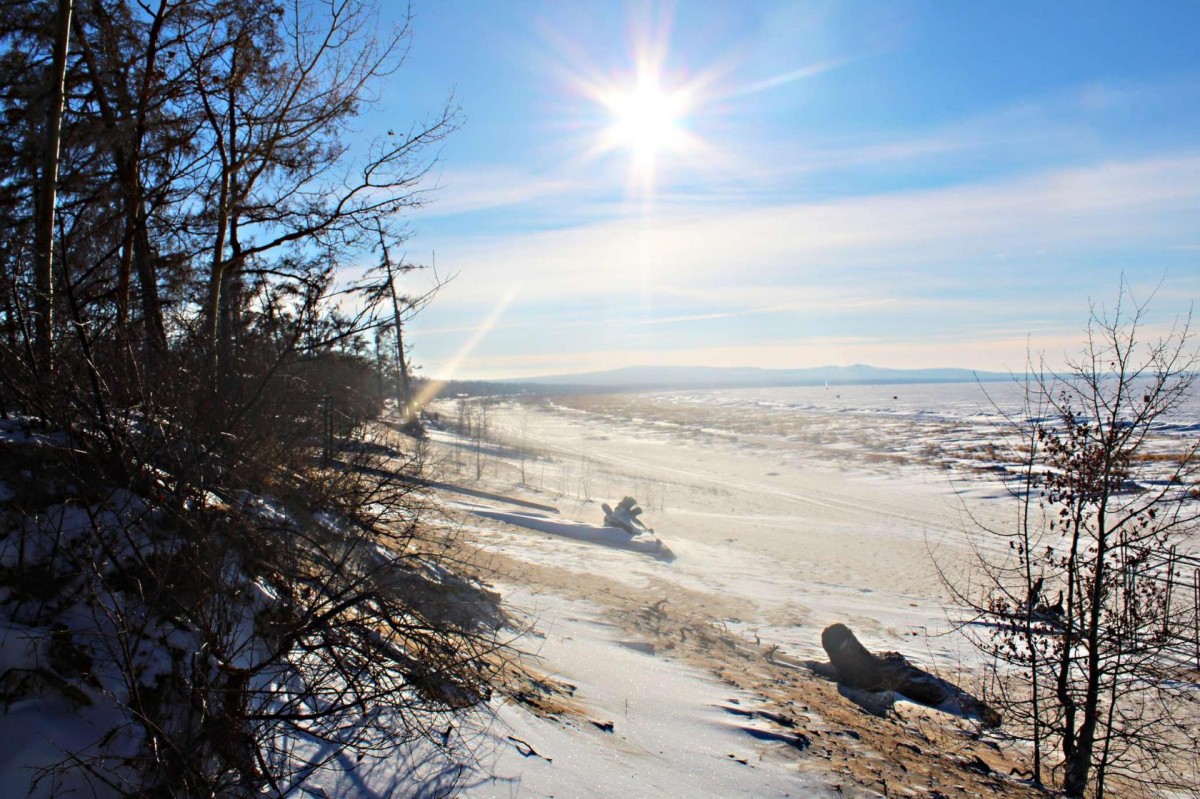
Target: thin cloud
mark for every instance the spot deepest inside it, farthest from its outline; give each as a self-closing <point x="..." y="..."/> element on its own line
<point x="1047" y="129"/>
<point x="1024" y="223"/>
<point x="949" y="261"/>
<point x="491" y="187"/>
<point x="803" y="73"/>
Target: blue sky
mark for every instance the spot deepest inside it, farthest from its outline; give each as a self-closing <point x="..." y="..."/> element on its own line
<point x="905" y="184"/>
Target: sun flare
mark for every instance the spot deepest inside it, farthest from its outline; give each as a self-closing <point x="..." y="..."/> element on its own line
<point x="647" y="118"/>
<point x="651" y="113"/>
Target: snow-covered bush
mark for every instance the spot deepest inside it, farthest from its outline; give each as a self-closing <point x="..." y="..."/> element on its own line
<point x="235" y="647"/>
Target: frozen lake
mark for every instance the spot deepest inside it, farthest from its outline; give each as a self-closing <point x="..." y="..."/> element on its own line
<point x="789" y="508"/>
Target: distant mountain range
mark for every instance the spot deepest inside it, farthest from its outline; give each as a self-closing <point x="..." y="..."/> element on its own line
<point x="749" y="377"/>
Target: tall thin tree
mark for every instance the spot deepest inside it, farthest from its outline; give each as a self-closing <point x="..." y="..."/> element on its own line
<point x="46" y="195"/>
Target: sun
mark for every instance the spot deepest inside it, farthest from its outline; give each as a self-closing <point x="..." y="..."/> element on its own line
<point x="651" y="112"/>
<point x="647" y="118"/>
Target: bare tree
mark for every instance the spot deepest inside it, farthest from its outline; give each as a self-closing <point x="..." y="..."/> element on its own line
<point x="387" y="307"/>
<point x="277" y="100"/>
<point x="134" y="84"/>
<point x="1075" y="610"/>
<point x="208" y="163"/>
<point x="481" y="433"/>
<point x="47" y="188"/>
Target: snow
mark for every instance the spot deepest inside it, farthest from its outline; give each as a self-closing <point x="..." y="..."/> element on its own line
<point x="802" y="541"/>
<point x="776" y="540"/>
<point x="782" y="510"/>
<point x="17" y="430"/>
<point x="772" y="537"/>
<point x="71" y="659"/>
<point x="786" y="510"/>
<point x="674" y="731"/>
<point x="38" y="731"/>
<point x="671" y="734"/>
<point x="45" y="724"/>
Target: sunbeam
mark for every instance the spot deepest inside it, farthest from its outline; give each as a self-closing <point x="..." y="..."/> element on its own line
<point x="450" y="368"/>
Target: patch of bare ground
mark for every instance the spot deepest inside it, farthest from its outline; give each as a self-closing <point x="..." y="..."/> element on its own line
<point x="838" y="438"/>
<point x="903" y="749"/>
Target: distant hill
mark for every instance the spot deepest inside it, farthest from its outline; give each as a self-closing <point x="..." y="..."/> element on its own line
<point x="750" y="377"/>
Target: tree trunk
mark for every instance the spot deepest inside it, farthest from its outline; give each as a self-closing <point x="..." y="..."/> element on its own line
<point x="1078" y="766"/>
<point x="155" y="330"/>
<point x="404" y="400"/>
<point x="855" y="665"/>
<point x="212" y="300"/>
<point x="859" y="668"/>
<point x="124" y="271"/>
<point x="136" y="252"/>
<point x="403" y="389"/>
<point x="46" y="195"/>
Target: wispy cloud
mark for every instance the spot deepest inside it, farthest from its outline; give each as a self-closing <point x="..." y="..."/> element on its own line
<point x="490" y="187"/>
<point x="1059" y="128"/>
<point x="949" y="261"/>
<point x="791" y="76"/>
<point x="987" y="229"/>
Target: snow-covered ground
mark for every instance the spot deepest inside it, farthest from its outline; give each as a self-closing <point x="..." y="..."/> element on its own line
<point x="785" y="510"/>
<point x="775" y="512"/>
<point x="787" y="537"/>
<point x="653" y="727"/>
<point x="808" y="505"/>
<point x="674" y="730"/>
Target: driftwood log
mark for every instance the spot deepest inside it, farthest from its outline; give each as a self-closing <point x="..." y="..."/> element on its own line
<point x="625" y="517"/>
<point x="855" y="666"/>
<point x="891" y="671"/>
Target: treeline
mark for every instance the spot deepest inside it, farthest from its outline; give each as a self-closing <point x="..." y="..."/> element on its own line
<point x="180" y="183"/>
<point x="182" y="189"/>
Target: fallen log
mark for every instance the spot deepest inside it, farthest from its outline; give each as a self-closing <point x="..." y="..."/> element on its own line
<point x="857" y="667"/>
